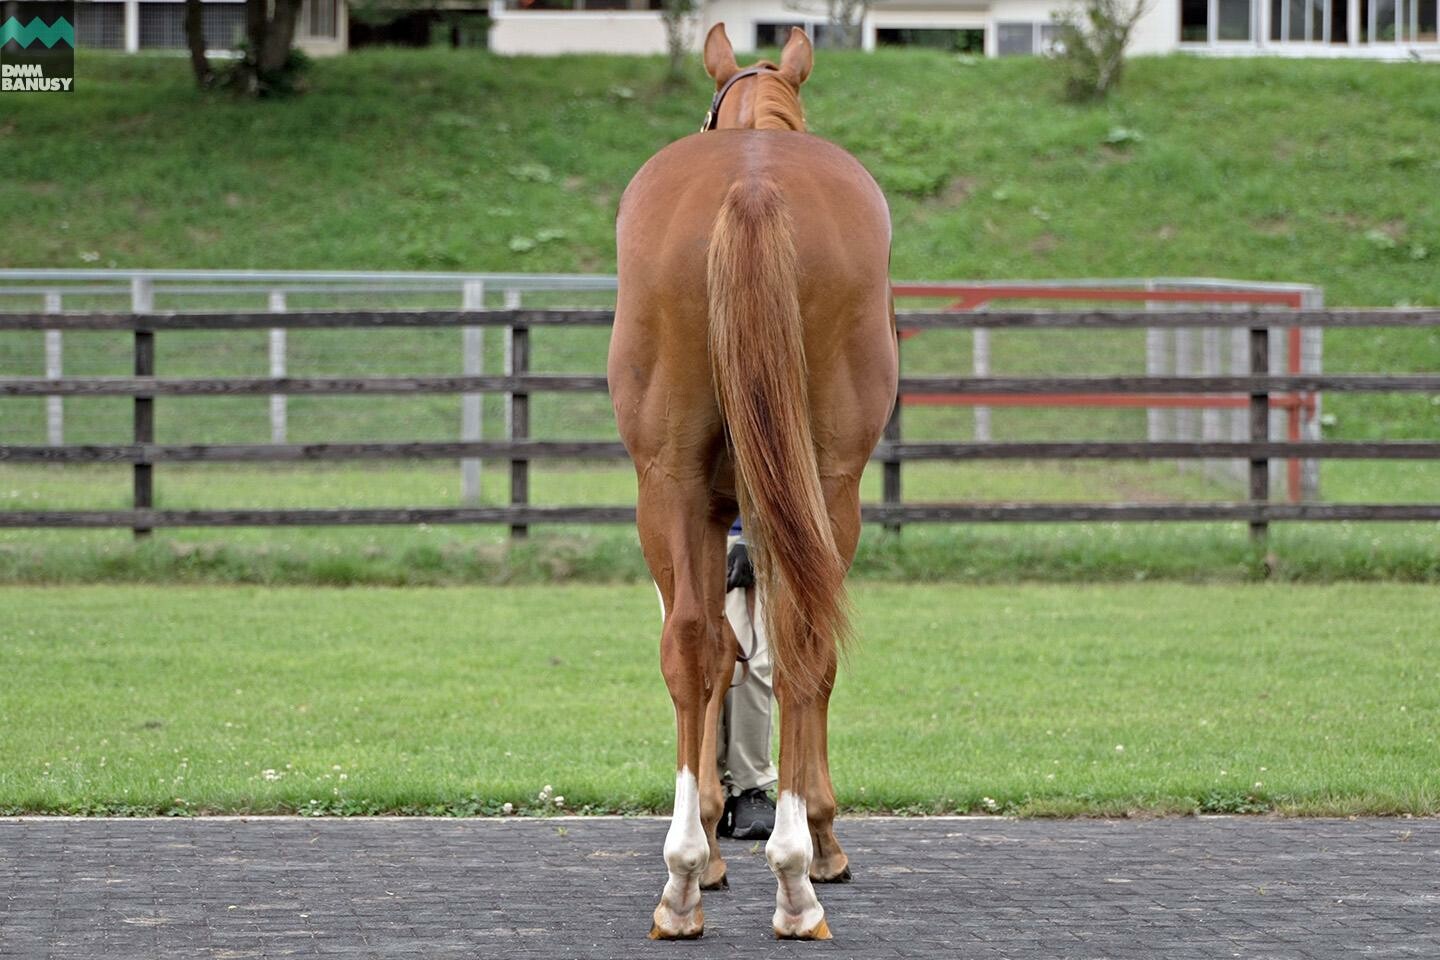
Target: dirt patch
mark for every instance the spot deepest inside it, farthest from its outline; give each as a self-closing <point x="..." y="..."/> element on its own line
<point x="1044" y="244"/>
<point x="1394" y="229"/>
<point x="1273" y="226"/>
<point x="956" y="192"/>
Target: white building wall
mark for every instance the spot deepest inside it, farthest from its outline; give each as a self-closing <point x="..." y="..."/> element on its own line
<point x="1159" y="29"/>
<point x="641" y="32"/>
<point x="545" y="32"/>
<point x="740" y="17"/>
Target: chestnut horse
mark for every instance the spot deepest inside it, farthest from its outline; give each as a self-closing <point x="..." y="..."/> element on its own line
<point x="752" y="367"/>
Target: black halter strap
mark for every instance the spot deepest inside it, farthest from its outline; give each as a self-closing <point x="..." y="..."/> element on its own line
<point x="713" y="116"/>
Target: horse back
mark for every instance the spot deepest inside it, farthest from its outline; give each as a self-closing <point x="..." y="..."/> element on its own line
<point x="840" y="223"/>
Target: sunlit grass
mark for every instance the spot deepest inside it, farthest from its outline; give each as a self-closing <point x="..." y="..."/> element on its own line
<point x="1045" y="699"/>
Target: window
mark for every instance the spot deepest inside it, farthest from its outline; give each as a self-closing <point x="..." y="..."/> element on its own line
<point x="774" y="34"/>
<point x="224" y="25"/>
<point x="1380" y="27"/>
<point x="1339" y="21"/>
<point x="317" y="18"/>
<point x="100" y="26"/>
<point x="955" y="41"/>
<point x="1425" y="25"/>
<point x="1025" y="39"/>
<point x="1014" y="39"/>
<point x="1194" y="21"/>
<point x="1297" y="20"/>
<point x="1234" y="20"/>
<point x="162" y="26"/>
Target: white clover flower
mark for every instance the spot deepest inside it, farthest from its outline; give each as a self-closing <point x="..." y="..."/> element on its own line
<point x="508" y="808"/>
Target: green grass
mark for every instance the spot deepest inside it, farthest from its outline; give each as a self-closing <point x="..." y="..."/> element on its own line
<point x="1045" y="699"/>
<point x="447" y="555"/>
<point x="1261" y="169"/>
<point x="1256" y="169"/>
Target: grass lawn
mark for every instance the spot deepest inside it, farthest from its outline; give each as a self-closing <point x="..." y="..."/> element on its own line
<point x="446" y="555"/>
<point x="1043" y="699"/>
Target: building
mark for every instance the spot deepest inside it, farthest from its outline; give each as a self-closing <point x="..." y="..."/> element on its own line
<point x="1378" y="29"/>
<point x="135" y="25"/>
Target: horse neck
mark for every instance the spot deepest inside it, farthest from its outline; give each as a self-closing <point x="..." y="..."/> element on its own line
<point x="777" y="106"/>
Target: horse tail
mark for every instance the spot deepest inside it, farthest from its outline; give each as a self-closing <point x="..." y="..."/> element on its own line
<point x="757" y="362"/>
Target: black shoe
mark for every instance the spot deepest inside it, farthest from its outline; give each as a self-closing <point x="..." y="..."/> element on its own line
<point x="726" y="826"/>
<point x="753" y="817"/>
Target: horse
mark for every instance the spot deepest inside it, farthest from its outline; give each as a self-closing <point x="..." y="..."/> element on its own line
<point x="752" y="367"/>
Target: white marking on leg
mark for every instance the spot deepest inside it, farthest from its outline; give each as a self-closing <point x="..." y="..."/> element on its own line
<point x="661" y="597"/>
<point x="789" y="851"/>
<point x="687" y="852"/>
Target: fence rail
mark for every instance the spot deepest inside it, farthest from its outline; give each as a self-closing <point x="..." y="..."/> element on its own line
<point x="1258" y="390"/>
<point x="905" y="320"/>
<point x="614" y="450"/>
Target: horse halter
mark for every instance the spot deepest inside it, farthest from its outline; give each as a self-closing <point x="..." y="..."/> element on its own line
<point x="712" y="117"/>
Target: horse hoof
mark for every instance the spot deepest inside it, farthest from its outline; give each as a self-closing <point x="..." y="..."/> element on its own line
<point x="657" y="934"/>
<point x="823" y="870"/>
<point x="667" y="926"/>
<point x="821" y="931"/>
<point x="722" y="884"/>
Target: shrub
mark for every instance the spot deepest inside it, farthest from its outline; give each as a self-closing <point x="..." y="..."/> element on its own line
<point x="1092" y="42"/>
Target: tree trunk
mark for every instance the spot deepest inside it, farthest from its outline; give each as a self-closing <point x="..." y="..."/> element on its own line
<point x="278" y="38"/>
<point x="257" y="18"/>
<point x="195" y="38"/>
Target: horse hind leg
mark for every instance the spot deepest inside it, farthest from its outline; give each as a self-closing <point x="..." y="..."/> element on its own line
<point x="803" y="850"/>
<point x="673" y="524"/>
<point x="791" y="849"/>
<point x="712" y="793"/>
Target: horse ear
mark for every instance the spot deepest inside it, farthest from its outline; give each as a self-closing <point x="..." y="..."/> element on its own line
<point x="797" y="58"/>
<point x="719" y="55"/>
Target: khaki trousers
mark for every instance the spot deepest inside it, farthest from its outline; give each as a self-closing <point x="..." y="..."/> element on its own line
<point x="743" y="741"/>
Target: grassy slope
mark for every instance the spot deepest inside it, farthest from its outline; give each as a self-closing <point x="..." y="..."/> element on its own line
<point x="1258" y="169"/>
<point x="439" y="160"/>
<point x="1315" y="699"/>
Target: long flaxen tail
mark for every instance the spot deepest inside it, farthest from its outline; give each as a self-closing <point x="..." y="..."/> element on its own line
<point x="757" y="361"/>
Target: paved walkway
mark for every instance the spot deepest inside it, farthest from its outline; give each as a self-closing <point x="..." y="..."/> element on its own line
<point x="961" y="888"/>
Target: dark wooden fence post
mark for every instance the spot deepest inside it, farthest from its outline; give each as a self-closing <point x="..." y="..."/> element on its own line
<point x="1259" y="429"/>
<point x="519" y="424"/>
<point x="144" y="492"/>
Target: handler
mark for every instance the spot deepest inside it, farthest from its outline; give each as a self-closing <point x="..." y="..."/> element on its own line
<point x="743" y="742"/>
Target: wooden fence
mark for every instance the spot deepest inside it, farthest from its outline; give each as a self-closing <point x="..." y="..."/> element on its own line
<point x="519" y="382"/>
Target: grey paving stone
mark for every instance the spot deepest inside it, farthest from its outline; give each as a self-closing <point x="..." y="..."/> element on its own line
<point x="226" y="889"/>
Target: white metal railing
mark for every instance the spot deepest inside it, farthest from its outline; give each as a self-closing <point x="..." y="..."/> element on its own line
<point x="138" y="291"/>
<point x="1183" y="352"/>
